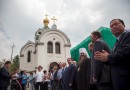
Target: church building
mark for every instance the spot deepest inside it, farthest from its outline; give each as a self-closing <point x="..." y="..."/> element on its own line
<point x="51" y="47"/>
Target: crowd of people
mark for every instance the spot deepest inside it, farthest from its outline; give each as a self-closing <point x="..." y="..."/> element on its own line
<point x="105" y="69"/>
<point x="61" y="77"/>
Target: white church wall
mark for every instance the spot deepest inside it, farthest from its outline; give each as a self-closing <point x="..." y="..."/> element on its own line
<point x="41" y="55"/>
<point x="24" y="64"/>
<point x="67" y="53"/>
<point x="21" y="62"/>
<point x="44" y="58"/>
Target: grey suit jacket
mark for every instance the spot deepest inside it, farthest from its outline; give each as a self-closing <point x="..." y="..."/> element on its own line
<point x="101" y="70"/>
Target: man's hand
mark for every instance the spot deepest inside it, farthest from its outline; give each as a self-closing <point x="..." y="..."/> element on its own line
<point x="101" y="56"/>
<point x="94" y="80"/>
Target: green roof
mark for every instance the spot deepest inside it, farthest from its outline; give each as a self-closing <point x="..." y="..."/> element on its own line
<point x="106" y="35"/>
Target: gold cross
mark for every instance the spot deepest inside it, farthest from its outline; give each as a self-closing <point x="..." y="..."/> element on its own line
<point x="46" y="15"/>
<point x="54" y="19"/>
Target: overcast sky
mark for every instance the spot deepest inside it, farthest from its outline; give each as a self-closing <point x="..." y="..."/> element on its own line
<point x="20" y="19"/>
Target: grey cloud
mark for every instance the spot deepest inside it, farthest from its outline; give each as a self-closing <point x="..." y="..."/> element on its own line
<point x="73" y="18"/>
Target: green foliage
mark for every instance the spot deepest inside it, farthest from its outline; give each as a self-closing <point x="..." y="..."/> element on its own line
<point x="0" y="64"/>
<point x="15" y="64"/>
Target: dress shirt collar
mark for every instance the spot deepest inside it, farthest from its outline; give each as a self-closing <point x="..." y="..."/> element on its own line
<point x="120" y="35"/>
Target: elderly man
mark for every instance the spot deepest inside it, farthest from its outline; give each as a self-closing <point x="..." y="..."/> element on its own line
<point x="83" y="73"/>
<point x="119" y="58"/>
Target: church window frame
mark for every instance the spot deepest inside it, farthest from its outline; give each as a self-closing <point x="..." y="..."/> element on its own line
<point x="50" y="47"/>
<point x="39" y="33"/>
<point x="29" y="56"/>
<point x="57" y="48"/>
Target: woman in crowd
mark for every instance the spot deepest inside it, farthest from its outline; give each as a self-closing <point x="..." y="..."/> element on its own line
<point x="30" y="81"/>
<point x="24" y="80"/>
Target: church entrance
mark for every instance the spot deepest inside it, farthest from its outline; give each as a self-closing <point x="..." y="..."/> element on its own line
<point x="53" y="64"/>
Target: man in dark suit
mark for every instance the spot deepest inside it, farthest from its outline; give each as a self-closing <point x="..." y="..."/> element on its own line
<point x="93" y="85"/>
<point x="119" y="58"/>
<point x="100" y="71"/>
<point x="5" y="76"/>
<point x="64" y="68"/>
<point x="69" y="76"/>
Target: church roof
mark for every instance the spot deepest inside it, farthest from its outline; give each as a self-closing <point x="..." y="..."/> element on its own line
<point x="28" y="43"/>
<point x="59" y="31"/>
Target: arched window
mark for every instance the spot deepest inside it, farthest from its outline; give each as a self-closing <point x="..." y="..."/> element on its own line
<point x="49" y="47"/>
<point x="39" y="33"/>
<point x="57" y="48"/>
<point x="29" y="56"/>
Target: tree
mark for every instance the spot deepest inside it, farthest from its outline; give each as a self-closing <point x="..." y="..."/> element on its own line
<point x="15" y="64"/>
<point x="0" y="64"/>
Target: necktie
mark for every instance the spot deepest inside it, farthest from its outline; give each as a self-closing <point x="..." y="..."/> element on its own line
<point x="63" y="70"/>
<point x="117" y="40"/>
<point x="115" y="44"/>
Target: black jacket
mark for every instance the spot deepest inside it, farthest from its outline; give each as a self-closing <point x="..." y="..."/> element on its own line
<point x="120" y="63"/>
<point x="69" y="75"/>
<point x="4" y="77"/>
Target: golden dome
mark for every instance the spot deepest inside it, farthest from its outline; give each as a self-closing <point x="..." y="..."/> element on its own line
<point x="46" y="21"/>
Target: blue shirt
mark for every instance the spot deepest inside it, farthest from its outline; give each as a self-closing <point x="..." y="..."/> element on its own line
<point x="59" y="74"/>
<point x="24" y="79"/>
<point x="30" y="78"/>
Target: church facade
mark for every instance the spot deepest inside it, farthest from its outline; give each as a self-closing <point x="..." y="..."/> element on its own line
<point x="51" y="47"/>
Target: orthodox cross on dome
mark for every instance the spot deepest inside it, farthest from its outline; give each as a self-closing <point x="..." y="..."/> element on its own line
<point x="46" y="15"/>
<point x="46" y="21"/>
<point x="54" y="19"/>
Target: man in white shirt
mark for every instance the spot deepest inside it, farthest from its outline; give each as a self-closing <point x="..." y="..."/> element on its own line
<point x="39" y="78"/>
